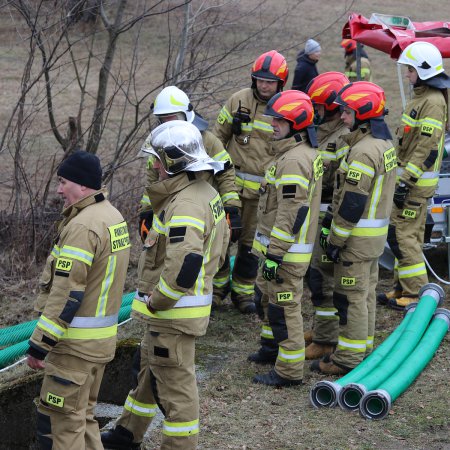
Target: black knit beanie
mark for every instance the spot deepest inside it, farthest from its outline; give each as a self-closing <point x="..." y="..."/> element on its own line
<point x="82" y="168"/>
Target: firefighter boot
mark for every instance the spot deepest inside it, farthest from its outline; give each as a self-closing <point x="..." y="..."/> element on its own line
<point x="273" y="379"/>
<point x="244" y="305"/>
<point x="384" y="298"/>
<point x="119" y="438"/>
<point x="402" y="302"/>
<point x="316" y="350"/>
<point x="261" y="357"/>
<point x="308" y="336"/>
<point x="328" y="367"/>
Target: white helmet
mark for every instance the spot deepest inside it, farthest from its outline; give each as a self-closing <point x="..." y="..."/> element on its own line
<point x="178" y="145"/>
<point x="172" y="100"/>
<point x="424" y="57"/>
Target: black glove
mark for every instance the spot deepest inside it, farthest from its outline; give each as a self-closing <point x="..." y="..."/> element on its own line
<point x="323" y="239"/>
<point x="326" y="221"/>
<point x="332" y="252"/>
<point x="270" y="268"/>
<point x="234" y="222"/>
<point x="145" y="223"/>
<point x="400" y="194"/>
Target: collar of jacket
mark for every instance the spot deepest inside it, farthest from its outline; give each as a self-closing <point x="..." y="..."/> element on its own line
<point x="74" y="209"/>
<point x="284" y="145"/>
<point x="328" y="128"/>
<point x="258" y="98"/>
<point x="420" y="91"/>
<point x="354" y="137"/>
<point x="161" y="191"/>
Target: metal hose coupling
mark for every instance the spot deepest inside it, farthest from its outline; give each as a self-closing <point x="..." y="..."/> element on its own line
<point x="351" y="395"/>
<point x="375" y="404"/>
<point x="324" y="394"/>
<point x="433" y="290"/>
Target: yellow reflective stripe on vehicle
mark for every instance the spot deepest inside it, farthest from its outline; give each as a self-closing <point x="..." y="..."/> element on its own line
<point x="145" y="200"/>
<point x="244" y="289"/>
<point x="139" y="408"/>
<point x="51" y="327"/>
<point x="181" y="428"/>
<point x="229" y="196"/>
<point x="222" y="156"/>
<point x="282" y="235"/>
<point x="263" y="126"/>
<point x="77" y="253"/>
<point x="297" y="257"/>
<point x="221" y="282"/>
<point x="416" y="171"/>
<point x="168" y="291"/>
<point x="412" y="271"/>
<point x="354" y="345"/>
<point x="106" y="286"/>
<point x="364" y="168"/>
<point x="55" y="251"/>
<point x="326" y="313"/>
<point x="90" y="333"/>
<point x="342" y="232"/>
<point x="266" y="332"/>
<point x="158" y="226"/>
<point x="190" y="221"/>
<point x="291" y="356"/>
<point x="292" y="179"/>
<point x="376" y="196"/>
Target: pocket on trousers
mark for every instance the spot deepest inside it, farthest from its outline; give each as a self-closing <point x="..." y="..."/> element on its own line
<point x="166" y="350"/>
<point x="61" y="388"/>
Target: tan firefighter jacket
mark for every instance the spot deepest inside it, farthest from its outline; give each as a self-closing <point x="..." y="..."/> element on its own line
<point x="350" y="68"/>
<point x="362" y="200"/>
<point x="82" y="284"/>
<point x="421" y="141"/>
<point x="251" y="150"/>
<point x="186" y="245"/>
<point x="290" y="201"/>
<point x="332" y="149"/>
<point x="223" y="182"/>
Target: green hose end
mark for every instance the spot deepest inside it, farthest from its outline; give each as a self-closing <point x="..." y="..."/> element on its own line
<point x="375" y="405"/>
<point x="324" y="394"/>
<point x="443" y="314"/>
<point x="410" y="308"/>
<point x="351" y="395"/>
<point x="433" y="290"/>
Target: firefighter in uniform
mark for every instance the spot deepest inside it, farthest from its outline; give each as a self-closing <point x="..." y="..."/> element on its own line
<point x="419" y="151"/>
<point x="81" y="294"/>
<point x="349" y="46"/>
<point x="246" y="134"/>
<point x="173" y="104"/>
<point x="288" y="212"/>
<point x="183" y="250"/>
<point x="362" y="203"/>
<point x="323" y="90"/>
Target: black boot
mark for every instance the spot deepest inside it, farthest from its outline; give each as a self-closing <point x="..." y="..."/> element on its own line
<point x="273" y="379"/>
<point x="119" y="438"/>
<point x="260" y="357"/>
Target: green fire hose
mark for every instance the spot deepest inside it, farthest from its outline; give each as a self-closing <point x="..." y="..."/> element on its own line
<point x="430" y="297"/>
<point x="326" y="393"/>
<point x="377" y="404"/>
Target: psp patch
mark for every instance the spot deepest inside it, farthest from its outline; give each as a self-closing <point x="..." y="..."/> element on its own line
<point x="348" y="281"/>
<point x="325" y="259"/>
<point x="54" y="400"/>
<point x="409" y="213"/>
<point x="63" y="267"/>
<point x="427" y="130"/>
<point x="285" y="296"/>
<point x="353" y="176"/>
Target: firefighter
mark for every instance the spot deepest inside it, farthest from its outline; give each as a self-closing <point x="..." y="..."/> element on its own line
<point x="81" y="294"/>
<point x="362" y="203"/>
<point x="288" y="212"/>
<point x="420" y="150"/>
<point x="323" y="91"/>
<point x="349" y="46"/>
<point x="173" y="104"/>
<point x="246" y="134"/>
<point x="183" y="250"/>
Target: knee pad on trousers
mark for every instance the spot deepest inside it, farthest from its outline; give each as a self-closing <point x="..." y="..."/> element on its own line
<point x="315" y="282"/>
<point x="246" y="263"/>
<point x="277" y="322"/>
<point x="154" y="388"/>
<point x="340" y="302"/>
<point x="258" y="302"/>
<point x="393" y="243"/>
<point x="135" y="367"/>
<point x="44" y="428"/>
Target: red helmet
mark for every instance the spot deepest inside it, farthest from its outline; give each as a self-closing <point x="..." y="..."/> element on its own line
<point x="293" y="106"/>
<point x="365" y="98"/>
<point x="324" y="88"/>
<point x="349" y="45"/>
<point x="271" y="66"/>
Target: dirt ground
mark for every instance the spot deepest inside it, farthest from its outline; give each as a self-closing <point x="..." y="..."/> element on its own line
<point x="236" y="414"/>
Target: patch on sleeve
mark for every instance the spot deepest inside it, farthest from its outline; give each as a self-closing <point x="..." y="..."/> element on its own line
<point x="331" y="147"/>
<point x="427" y="130"/>
<point x="63" y="267"/>
<point x="221" y="118"/>
<point x="120" y="239"/>
<point x="177" y="234"/>
<point x="217" y="209"/>
<point x="353" y="176"/>
<point x="318" y="168"/>
<point x="289" y="190"/>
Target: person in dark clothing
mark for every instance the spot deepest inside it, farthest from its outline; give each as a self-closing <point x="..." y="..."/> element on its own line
<point x="306" y="68"/>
